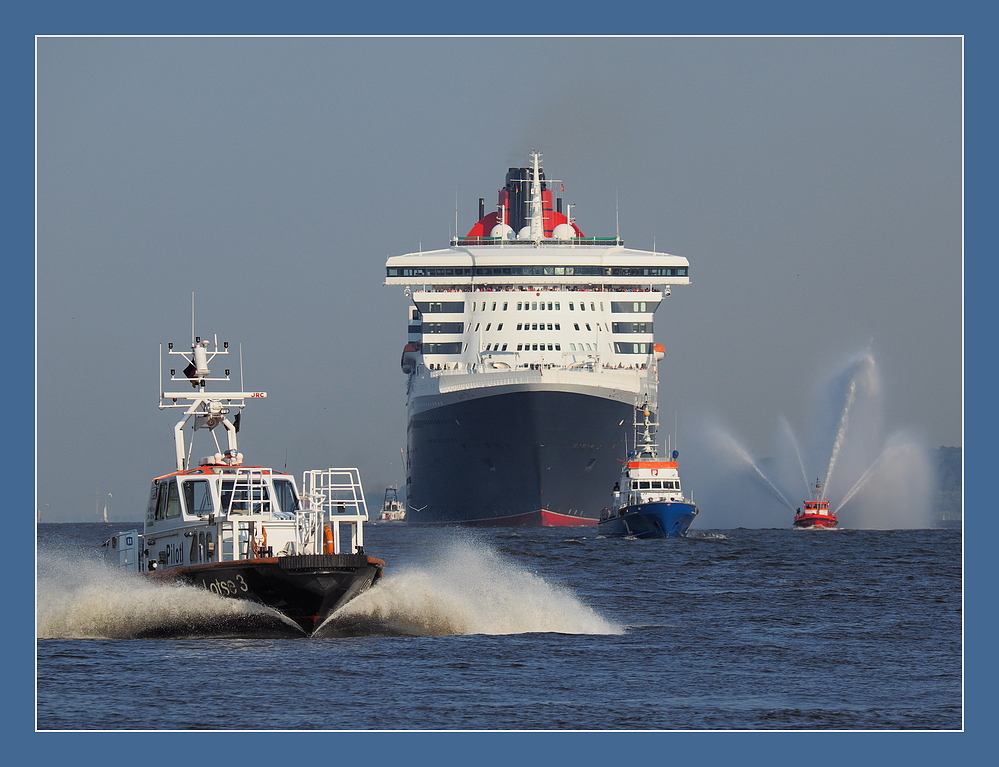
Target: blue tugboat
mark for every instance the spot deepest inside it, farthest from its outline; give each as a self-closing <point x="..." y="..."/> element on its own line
<point x="648" y="501"/>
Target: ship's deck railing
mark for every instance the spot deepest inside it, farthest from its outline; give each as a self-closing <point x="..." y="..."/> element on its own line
<point x="545" y="242"/>
<point x="563" y="375"/>
<point x="474" y="368"/>
<point x="337" y="496"/>
<point x="546" y="287"/>
<point x="234" y="539"/>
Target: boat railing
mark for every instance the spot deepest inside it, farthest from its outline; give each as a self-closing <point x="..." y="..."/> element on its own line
<point x="245" y="491"/>
<point x="337" y="496"/>
<point x="563" y="374"/>
<point x="308" y="531"/>
<point x="544" y="242"/>
<point x="235" y="539"/>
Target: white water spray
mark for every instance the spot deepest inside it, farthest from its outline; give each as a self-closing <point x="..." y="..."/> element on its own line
<point x="465" y="589"/>
<point x="870" y="480"/>
<point x="79" y="599"/>
<point x="743" y="454"/>
<point x="797" y="451"/>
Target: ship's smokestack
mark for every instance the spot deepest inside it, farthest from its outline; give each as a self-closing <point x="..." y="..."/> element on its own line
<point x="558" y="204"/>
<point x="482" y="208"/>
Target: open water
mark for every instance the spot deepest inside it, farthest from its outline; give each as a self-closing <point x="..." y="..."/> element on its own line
<point x="550" y="629"/>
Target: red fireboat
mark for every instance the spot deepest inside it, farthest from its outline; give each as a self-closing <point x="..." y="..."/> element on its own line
<point x="816" y="512"/>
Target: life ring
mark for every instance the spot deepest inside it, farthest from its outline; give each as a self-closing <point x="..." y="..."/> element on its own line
<point x="655" y="472"/>
<point x="327" y="540"/>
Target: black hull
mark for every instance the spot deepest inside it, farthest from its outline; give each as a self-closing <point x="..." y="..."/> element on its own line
<point x="304" y="589"/>
<point x="516" y="459"/>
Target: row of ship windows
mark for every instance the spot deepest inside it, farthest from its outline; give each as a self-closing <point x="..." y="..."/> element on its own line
<point x="459" y="327"/>
<point x="539" y="271"/>
<point x="620" y="347"/>
<point x="656" y="484"/>
<point x="458" y="307"/>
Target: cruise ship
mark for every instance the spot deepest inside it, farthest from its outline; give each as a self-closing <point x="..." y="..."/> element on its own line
<point x="529" y="346"/>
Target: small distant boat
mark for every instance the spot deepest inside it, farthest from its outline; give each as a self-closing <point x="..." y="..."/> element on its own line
<point x="245" y="531"/>
<point x="816" y="512"/>
<point x="392" y="508"/>
<point x="648" y="501"/>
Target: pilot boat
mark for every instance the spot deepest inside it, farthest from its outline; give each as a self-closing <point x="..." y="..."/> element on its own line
<point x="648" y="501"/>
<point x="392" y="508"/>
<point x="816" y="512"/>
<point x="246" y="531"/>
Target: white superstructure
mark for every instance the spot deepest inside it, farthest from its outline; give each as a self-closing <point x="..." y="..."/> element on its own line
<point x="526" y="303"/>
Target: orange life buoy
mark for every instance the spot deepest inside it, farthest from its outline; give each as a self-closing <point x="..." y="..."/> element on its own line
<point x="327" y="540"/>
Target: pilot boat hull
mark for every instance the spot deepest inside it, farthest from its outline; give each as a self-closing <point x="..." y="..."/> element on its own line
<point x="305" y="589"/>
<point x="650" y="520"/>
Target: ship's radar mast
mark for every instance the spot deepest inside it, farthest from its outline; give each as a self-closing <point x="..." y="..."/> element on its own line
<point x="205" y="410"/>
<point x="646" y="432"/>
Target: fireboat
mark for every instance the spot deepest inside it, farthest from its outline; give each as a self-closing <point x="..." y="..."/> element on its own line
<point x="816" y="512"/>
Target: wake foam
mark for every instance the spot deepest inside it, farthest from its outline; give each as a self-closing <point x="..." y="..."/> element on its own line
<point x="466" y="589"/>
<point x="90" y="600"/>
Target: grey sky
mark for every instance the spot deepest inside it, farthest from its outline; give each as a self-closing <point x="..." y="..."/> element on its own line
<point x="814" y="184"/>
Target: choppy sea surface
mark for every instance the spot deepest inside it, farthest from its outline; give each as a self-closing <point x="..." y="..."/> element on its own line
<point x="507" y="629"/>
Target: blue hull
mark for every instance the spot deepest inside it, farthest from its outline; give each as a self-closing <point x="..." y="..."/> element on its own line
<point x="650" y="520"/>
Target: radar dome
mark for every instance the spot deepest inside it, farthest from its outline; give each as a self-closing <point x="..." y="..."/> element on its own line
<point x="563" y="232"/>
<point x="503" y="231"/>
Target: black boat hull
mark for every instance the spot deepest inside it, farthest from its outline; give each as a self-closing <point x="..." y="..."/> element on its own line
<point x="305" y="589"/>
<point x="523" y="458"/>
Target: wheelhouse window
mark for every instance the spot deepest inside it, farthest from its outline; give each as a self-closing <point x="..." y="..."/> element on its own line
<point x="243" y="498"/>
<point x="168" y="500"/>
<point x="285" y="499"/>
<point x="198" y="497"/>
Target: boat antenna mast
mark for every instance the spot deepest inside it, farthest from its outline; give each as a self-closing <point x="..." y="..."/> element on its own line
<point x="203" y="409"/>
<point x="646" y="431"/>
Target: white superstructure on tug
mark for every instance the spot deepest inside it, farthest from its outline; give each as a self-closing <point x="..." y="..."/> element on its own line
<point x="245" y="531"/>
